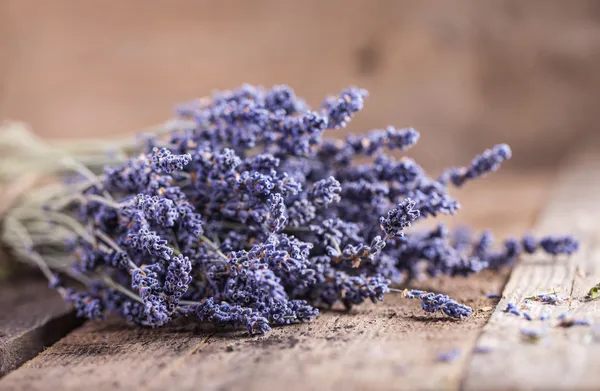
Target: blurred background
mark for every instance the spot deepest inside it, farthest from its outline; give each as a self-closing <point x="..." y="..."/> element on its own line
<point x="467" y="74"/>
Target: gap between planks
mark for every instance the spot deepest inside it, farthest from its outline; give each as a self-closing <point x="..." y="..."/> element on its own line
<point x="32" y="318"/>
<point x="392" y="345"/>
<point x="567" y="359"/>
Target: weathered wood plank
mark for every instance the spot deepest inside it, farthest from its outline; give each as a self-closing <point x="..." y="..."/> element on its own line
<point x="567" y="359"/>
<point x="32" y="317"/>
<point x="377" y="347"/>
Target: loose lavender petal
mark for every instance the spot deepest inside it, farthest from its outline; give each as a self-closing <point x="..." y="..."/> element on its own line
<point x="449" y="356"/>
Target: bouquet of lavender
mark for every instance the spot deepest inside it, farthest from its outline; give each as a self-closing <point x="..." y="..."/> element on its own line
<point x="239" y="213"/>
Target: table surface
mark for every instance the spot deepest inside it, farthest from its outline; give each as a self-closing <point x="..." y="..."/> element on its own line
<point x="392" y="345"/>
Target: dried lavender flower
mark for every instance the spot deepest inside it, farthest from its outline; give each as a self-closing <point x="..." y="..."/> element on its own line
<point x="449" y="356"/>
<point x="432" y="302"/>
<point x="488" y="161"/>
<point x="399" y="218"/>
<point x="243" y="214"/>
<point x="559" y="245"/>
<point x="512" y="309"/>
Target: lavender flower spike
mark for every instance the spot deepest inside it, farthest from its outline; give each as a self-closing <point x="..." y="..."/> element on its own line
<point x="341" y="110"/>
<point x="488" y="161"/>
<point x="325" y="192"/>
<point x="164" y="161"/>
<point x="432" y="302"/>
<point x="399" y="218"/>
<point x="401" y="139"/>
<point x="559" y="244"/>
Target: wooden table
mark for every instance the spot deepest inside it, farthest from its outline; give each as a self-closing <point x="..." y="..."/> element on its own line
<point x="387" y="346"/>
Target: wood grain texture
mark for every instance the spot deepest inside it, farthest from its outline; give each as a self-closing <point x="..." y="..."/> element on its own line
<point x="32" y="318"/>
<point x="388" y="346"/>
<point x="568" y="359"/>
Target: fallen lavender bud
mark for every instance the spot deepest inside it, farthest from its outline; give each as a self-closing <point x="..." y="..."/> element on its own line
<point x="548" y="298"/>
<point x="483" y="349"/>
<point x="568" y="320"/>
<point x="449" y="356"/>
<point x="512" y="309"/>
<point x="559" y="245"/>
<point x="554" y="245"/>
<point x="534" y="335"/>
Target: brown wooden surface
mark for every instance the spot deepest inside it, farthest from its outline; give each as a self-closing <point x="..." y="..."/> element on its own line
<point x="32" y="317"/>
<point x="568" y="359"/>
<point x="385" y="346"/>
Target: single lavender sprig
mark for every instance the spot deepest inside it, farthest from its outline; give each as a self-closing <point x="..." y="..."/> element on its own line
<point x="559" y="245"/>
<point x="488" y="161"/>
<point x="178" y="278"/>
<point x="165" y="161"/>
<point x="341" y="110"/>
<point x="554" y="245"/>
<point x="432" y="302"/>
<point x="399" y="218"/>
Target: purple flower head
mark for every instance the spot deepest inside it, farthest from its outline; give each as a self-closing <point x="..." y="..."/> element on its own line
<point x="401" y="139"/>
<point x="144" y="280"/>
<point x="277" y="219"/>
<point x="341" y="110"/>
<point x="399" y="218"/>
<point x="325" y="192"/>
<point x="556" y="245"/>
<point x="164" y="161"/>
<point x="161" y="210"/>
<point x="86" y="305"/>
<point x="150" y="242"/>
<point x="530" y="244"/>
<point x="178" y="278"/>
<point x="156" y="311"/>
<point x="432" y="302"/>
<point x="283" y="98"/>
<point x="488" y="161"/>
<point x="225" y="314"/>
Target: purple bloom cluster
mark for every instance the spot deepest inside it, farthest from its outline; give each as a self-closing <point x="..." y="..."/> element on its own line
<point x="488" y="161"/>
<point x="245" y="216"/>
<point x="554" y="245"/>
<point x="432" y="302"/>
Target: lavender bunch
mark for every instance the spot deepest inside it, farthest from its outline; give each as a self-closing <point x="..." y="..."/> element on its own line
<point x="240" y="213"/>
